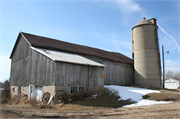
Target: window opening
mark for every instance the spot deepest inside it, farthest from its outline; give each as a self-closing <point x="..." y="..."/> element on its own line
<point x="77" y="89"/>
<point x="23" y="89"/>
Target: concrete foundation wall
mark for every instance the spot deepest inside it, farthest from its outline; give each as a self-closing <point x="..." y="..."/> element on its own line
<point x="50" y="89"/>
<point x="26" y="90"/>
<point x="14" y="92"/>
<point x="19" y="91"/>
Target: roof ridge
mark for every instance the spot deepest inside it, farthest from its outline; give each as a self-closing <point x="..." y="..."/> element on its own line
<point x="72" y="43"/>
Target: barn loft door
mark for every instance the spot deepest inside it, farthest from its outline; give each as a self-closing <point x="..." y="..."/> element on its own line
<point x="38" y="93"/>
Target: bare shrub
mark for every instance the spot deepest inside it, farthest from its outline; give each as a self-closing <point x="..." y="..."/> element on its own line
<point x="24" y="100"/>
<point x="173" y="73"/>
<point x="14" y="100"/>
<point x="33" y="102"/>
<point x="79" y="96"/>
<point x="5" y="94"/>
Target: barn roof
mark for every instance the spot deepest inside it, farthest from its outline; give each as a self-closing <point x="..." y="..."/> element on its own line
<point x="53" y="44"/>
<point x="67" y="57"/>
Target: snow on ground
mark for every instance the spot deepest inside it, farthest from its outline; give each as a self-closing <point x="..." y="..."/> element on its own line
<point x="135" y="94"/>
<point x="147" y="102"/>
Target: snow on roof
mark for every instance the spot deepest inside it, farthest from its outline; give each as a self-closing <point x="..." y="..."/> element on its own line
<point x="67" y="57"/>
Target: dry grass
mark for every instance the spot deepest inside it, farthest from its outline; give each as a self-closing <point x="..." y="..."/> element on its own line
<point x="162" y="97"/>
<point x="161" y="111"/>
<point x="75" y="107"/>
<point x="80" y="109"/>
<point x="44" y="106"/>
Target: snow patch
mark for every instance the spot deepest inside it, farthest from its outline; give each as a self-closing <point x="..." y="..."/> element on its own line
<point x="135" y="94"/>
<point x="147" y="102"/>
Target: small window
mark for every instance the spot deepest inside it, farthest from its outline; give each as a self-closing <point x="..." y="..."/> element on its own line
<point x="73" y="90"/>
<point x="23" y="89"/>
<point x="77" y="89"/>
<point x="133" y="55"/>
<point x="13" y="89"/>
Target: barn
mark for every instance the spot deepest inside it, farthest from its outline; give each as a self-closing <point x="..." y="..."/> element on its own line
<point x="172" y="83"/>
<point x="40" y="65"/>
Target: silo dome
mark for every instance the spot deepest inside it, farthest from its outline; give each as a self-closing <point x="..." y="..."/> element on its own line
<point x="143" y="22"/>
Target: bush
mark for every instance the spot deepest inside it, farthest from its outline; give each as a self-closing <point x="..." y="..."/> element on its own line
<point x="79" y="96"/>
<point x="5" y="94"/>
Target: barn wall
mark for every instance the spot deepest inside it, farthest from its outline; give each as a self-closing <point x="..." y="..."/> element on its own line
<point x="115" y="73"/>
<point x="20" y="62"/>
<point x="43" y="70"/>
<point x="22" y="50"/>
<point x="31" y="68"/>
<point x="78" y="75"/>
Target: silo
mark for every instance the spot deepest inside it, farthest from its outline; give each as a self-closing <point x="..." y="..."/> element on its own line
<point x="145" y="52"/>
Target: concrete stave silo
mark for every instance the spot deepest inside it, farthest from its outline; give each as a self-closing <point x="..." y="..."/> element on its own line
<point x="145" y="51"/>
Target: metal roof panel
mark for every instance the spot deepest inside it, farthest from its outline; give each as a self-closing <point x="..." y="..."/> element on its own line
<point x="66" y="57"/>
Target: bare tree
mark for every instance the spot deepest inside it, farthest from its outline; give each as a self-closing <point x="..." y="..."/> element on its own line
<point x="173" y="73"/>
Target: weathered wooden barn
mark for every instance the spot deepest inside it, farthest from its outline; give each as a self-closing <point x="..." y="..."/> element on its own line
<point x="40" y="65"/>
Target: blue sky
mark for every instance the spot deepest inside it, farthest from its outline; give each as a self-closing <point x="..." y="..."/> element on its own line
<point x="104" y="24"/>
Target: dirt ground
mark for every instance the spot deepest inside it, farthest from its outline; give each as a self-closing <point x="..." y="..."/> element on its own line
<point x="161" y="111"/>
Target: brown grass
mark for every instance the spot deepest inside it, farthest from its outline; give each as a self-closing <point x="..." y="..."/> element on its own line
<point x="44" y="106"/>
<point x="33" y="102"/>
<point x="162" y="97"/>
<point x="161" y="111"/>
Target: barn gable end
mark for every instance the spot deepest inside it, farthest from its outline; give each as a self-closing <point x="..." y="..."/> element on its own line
<point x="29" y="66"/>
<point x="20" y="59"/>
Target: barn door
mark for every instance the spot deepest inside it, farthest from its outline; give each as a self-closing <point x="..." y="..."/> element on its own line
<point x="31" y="91"/>
<point x="38" y="93"/>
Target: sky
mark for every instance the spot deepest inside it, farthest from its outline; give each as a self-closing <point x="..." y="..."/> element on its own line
<point x="103" y="24"/>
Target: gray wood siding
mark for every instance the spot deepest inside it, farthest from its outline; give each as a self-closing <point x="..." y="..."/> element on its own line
<point x="31" y="67"/>
<point x="116" y="73"/>
<point x="43" y="70"/>
<point x="22" y="50"/>
<point x="78" y="75"/>
<point x="35" y="69"/>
